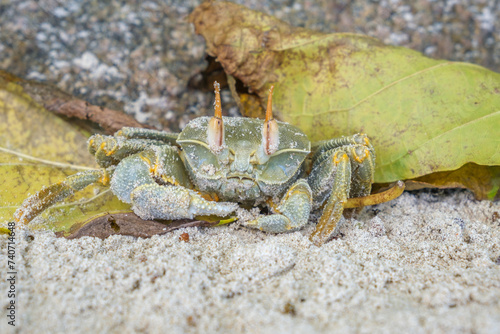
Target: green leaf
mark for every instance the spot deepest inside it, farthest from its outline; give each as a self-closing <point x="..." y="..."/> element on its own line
<point x="38" y="148"/>
<point x="423" y="115"/>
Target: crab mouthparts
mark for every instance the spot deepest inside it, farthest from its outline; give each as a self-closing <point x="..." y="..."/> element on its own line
<point x="240" y="176"/>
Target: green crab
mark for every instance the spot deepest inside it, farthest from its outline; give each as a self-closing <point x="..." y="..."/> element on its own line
<point x="217" y="164"/>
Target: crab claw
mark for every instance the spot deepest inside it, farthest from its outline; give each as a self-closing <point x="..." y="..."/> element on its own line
<point x="270" y="133"/>
<point x="215" y="131"/>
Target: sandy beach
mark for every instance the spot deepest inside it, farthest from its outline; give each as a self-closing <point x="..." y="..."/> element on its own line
<point x="427" y="262"/>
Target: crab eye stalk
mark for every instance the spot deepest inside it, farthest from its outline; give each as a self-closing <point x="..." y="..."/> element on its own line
<point x="270" y="132"/>
<point x="215" y="131"/>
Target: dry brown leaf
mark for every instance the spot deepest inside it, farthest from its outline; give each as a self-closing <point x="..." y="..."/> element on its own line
<point x="129" y="224"/>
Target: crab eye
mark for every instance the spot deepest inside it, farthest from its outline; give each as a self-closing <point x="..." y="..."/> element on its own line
<point x="215" y="131"/>
<point x="270" y="132"/>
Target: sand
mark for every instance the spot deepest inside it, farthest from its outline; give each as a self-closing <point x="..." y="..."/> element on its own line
<point x="425" y="262"/>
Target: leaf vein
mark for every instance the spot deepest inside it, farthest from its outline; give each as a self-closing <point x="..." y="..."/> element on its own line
<point x="43" y="161"/>
<point x="438" y="136"/>
<point x="313" y="114"/>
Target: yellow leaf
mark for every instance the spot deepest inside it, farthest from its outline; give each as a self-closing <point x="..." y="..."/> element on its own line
<point x="38" y="148"/>
<point x="422" y="115"/>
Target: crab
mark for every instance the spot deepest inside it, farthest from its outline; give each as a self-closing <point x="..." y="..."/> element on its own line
<point x="217" y="164"/>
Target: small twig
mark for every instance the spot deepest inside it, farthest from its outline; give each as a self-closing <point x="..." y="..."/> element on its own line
<point x="61" y="103"/>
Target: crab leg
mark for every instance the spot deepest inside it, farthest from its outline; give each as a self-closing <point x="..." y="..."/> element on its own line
<point x="362" y="158"/>
<point x="109" y="150"/>
<point x="141" y="133"/>
<point x="37" y="203"/>
<point x="332" y="212"/>
<point x="395" y="191"/>
<point x="293" y="211"/>
<point x="326" y="145"/>
<point x="342" y="168"/>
